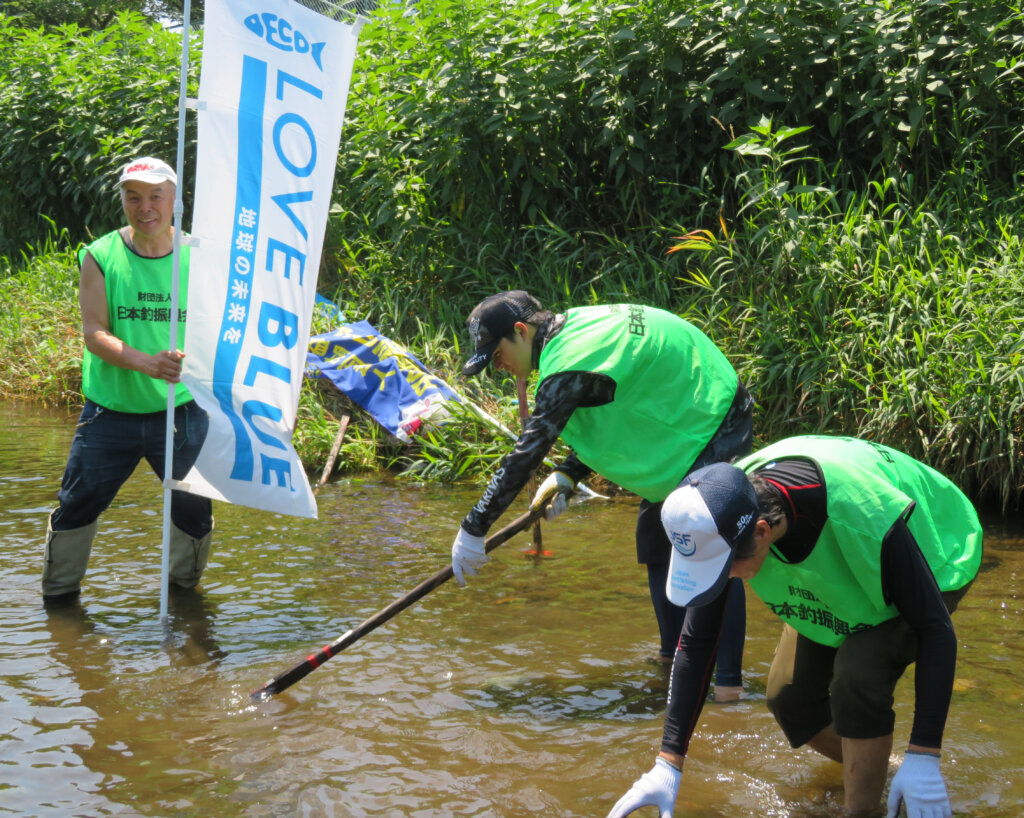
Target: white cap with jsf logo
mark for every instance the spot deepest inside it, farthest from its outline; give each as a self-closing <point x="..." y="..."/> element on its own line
<point x="706" y="518"/>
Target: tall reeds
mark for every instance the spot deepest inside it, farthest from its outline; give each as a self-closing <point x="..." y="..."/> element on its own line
<point x="873" y="317"/>
<point x="40" y="327"/>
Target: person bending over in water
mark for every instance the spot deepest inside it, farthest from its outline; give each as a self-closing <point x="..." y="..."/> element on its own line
<point x="863" y="552"/>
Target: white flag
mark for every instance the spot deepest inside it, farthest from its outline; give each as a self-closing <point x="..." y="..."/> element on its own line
<point x="274" y="81"/>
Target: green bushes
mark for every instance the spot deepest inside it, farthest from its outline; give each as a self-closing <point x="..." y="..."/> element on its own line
<point x="865" y="315"/>
<point x="40" y="326"/>
<point x="528" y="147"/>
<point x="845" y="174"/>
<point x="74" y="105"/>
<point x="469" y="123"/>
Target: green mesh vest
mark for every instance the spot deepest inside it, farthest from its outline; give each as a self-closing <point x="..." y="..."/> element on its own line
<point x="837" y="590"/>
<point x="139" y="307"/>
<point x="673" y="387"/>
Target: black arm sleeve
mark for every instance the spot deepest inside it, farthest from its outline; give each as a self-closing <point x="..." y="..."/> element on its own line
<point x="691" y="672"/>
<point x="557" y="398"/>
<point x="574" y="468"/>
<point x="908" y="583"/>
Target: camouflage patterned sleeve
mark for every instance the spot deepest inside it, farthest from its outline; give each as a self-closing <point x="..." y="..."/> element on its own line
<point x="557" y="398"/>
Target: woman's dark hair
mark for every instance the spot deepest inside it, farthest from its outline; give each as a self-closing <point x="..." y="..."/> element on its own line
<point x="537" y="319"/>
<point x="771" y="507"/>
<point x="770" y="502"/>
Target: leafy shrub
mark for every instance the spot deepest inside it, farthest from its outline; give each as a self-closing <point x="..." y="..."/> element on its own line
<point x="75" y="105"/>
<point x="469" y="121"/>
<point x="848" y="172"/>
<point x="867" y="315"/>
<point x="40" y="325"/>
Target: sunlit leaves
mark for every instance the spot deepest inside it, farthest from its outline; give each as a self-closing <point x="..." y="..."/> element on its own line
<point x="74" y="105"/>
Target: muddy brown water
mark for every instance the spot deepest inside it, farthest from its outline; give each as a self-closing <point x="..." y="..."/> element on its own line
<point x="531" y="692"/>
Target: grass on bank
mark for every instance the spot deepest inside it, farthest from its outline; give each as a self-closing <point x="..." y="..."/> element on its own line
<point x="865" y="313"/>
<point x="863" y="273"/>
<point x="40" y="327"/>
<point x="844" y="313"/>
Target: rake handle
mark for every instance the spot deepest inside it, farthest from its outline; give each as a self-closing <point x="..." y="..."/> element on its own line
<point x="314" y="660"/>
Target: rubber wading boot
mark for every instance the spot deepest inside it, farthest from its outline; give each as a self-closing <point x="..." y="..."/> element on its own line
<point x="65" y="560"/>
<point x="188" y="557"/>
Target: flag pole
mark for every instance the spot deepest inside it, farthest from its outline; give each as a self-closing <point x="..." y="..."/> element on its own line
<point x="179" y="209"/>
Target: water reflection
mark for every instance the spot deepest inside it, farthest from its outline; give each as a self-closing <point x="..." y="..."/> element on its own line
<point x="529" y="692"/>
<point x="615" y="693"/>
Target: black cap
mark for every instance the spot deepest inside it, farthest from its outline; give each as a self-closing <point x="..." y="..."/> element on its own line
<point x="493" y="319"/>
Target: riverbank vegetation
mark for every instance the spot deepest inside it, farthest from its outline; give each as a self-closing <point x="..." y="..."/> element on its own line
<point x="830" y="190"/>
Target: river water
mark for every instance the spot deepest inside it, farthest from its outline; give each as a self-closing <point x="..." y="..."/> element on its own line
<point x="530" y="692"/>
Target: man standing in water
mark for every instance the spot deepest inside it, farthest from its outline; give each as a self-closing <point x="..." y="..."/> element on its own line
<point x="642" y="397"/>
<point x="863" y="552"/>
<point x="124" y="296"/>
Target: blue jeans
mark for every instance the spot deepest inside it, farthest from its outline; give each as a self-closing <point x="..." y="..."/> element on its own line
<point x="107" y="447"/>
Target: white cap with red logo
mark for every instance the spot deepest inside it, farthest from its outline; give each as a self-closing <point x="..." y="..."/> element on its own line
<point x="149" y="170"/>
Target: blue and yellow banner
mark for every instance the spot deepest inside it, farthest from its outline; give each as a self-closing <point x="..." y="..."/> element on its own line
<point x="380" y="376"/>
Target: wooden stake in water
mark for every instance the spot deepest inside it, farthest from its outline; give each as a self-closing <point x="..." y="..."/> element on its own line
<point x="342" y="426"/>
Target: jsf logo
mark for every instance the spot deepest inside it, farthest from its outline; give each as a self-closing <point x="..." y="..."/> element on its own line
<point x="684" y="543"/>
<point x="281" y="34"/>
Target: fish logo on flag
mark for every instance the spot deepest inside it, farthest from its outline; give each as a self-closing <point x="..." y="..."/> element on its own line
<point x="272" y="103"/>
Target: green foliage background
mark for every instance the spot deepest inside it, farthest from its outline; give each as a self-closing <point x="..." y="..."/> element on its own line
<point x="75" y="104"/>
<point x="94" y="14"/>
<point x="843" y="178"/>
<point x="611" y="118"/>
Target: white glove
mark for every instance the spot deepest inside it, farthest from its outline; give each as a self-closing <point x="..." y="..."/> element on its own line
<point x="556" y="488"/>
<point x="467" y="555"/>
<point x="918" y="784"/>
<point x="657" y="788"/>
